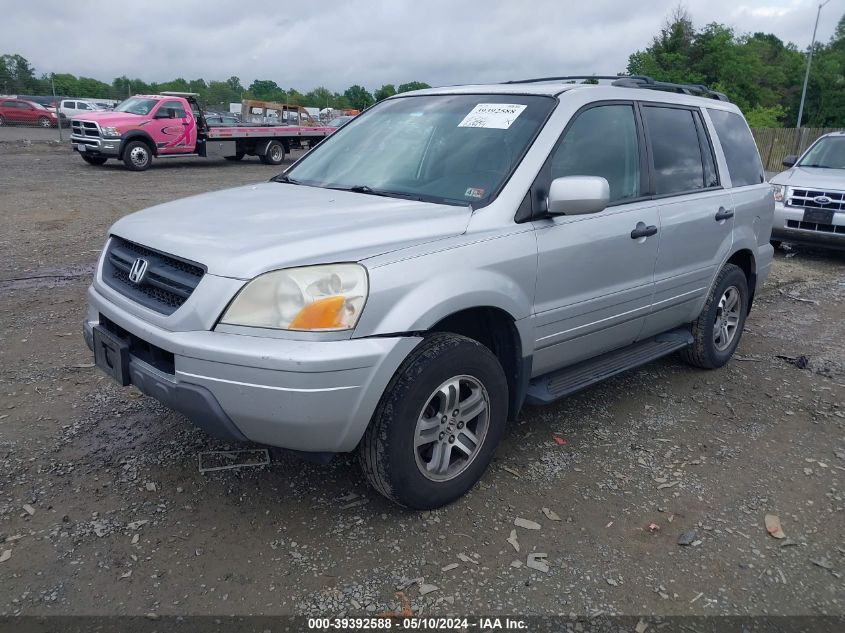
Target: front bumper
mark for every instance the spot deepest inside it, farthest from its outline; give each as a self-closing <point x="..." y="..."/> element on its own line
<point x="788" y="225"/>
<point x="95" y="146"/>
<point x="315" y="396"/>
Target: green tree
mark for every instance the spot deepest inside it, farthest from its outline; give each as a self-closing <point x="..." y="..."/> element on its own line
<point x="412" y="85"/>
<point x="266" y="90"/>
<point x="358" y="97"/>
<point x="320" y="97"/>
<point x="220" y="94"/>
<point x="387" y="90"/>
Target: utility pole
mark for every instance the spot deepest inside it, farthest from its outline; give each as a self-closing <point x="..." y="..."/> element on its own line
<point x="58" y="113"/>
<point x="809" y="61"/>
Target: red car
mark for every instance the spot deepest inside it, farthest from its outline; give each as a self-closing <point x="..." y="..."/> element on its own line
<point x="20" y="111"/>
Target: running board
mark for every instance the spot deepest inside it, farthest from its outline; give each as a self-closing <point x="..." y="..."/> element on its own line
<point x="550" y="387"/>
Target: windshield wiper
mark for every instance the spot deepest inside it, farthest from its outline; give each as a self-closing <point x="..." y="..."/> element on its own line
<point x="366" y="189"/>
<point x="285" y="179"/>
<point x="817" y="166"/>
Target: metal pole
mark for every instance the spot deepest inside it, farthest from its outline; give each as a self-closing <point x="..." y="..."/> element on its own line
<point x="58" y="113"/>
<point x="809" y="61"/>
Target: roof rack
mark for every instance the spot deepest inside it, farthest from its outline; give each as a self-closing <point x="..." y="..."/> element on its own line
<point x="633" y="81"/>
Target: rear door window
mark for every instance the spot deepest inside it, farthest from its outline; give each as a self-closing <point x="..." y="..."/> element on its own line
<point x="677" y="156"/>
<point x="740" y="149"/>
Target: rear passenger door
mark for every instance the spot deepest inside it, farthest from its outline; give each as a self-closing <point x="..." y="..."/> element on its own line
<point x="594" y="279"/>
<point x="696" y="213"/>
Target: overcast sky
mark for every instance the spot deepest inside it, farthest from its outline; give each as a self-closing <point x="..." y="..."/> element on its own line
<point x="304" y="44"/>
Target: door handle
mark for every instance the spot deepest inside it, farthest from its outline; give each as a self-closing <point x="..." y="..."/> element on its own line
<point x="643" y="231"/>
<point x="724" y="214"/>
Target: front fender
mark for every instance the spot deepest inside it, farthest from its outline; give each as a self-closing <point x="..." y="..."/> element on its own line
<point x="413" y="294"/>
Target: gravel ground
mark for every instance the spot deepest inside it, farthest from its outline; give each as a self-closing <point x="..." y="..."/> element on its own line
<point x="103" y="510"/>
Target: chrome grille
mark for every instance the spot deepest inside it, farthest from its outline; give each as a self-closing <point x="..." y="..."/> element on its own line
<point x="806" y="198"/>
<point x="168" y="282"/>
<point x="812" y="226"/>
<point x="84" y="132"/>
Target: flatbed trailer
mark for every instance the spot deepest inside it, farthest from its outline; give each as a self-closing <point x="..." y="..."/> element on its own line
<point x="173" y="125"/>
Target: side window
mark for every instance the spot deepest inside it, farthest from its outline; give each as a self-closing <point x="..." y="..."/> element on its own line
<point x="174" y="105"/>
<point x="741" y="153"/>
<point x="602" y="141"/>
<point x="676" y="149"/>
<point x="81" y="105"/>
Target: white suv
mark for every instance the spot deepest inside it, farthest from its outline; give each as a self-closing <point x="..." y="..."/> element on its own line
<point x="810" y="195"/>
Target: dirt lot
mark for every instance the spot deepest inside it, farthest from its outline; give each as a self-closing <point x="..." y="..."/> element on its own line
<point x="103" y="510"/>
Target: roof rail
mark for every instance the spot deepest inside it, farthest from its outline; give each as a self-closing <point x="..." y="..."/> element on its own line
<point x="634" y="81"/>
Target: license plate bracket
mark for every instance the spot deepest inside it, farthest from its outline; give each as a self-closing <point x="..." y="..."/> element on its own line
<point x="111" y="354"/>
<point x="818" y="216"/>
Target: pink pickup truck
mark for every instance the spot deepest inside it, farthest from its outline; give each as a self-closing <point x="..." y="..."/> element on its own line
<point x="173" y="124"/>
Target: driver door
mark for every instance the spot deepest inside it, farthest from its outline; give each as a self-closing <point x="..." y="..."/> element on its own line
<point x="173" y="129"/>
<point x="595" y="276"/>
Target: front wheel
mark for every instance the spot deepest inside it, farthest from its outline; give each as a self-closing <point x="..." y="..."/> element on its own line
<point x="137" y="156"/>
<point x="274" y="154"/>
<point x="44" y="121"/>
<point x="717" y="330"/>
<point x="94" y="160"/>
<point x="438" y="423"/>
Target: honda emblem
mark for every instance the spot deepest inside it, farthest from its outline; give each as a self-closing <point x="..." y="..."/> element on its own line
<point x="138" y="270"/>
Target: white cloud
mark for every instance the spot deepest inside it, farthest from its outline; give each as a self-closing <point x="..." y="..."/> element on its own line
<point x="371" y="42"/>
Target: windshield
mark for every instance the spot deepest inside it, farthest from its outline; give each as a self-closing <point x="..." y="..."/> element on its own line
<point x="828" y="153"/>
<point x="453" y="149"/>
<point x="136" y="105"/>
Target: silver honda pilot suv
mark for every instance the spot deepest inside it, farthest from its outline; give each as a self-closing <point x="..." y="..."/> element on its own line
<point x="445" y="258"/>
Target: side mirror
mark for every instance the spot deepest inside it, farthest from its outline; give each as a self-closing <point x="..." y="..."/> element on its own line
<point x="790" y="160"/>
<point x="577" y="195"/>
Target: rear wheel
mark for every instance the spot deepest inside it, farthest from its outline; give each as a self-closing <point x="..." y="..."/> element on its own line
<point x="137" y="156"/>
<point x="717" y="330"/>
<point x="274" y="154"/>
<point x="44" y="121"/>
<point x="438" y="423"/>
<point x="94" y="160"/>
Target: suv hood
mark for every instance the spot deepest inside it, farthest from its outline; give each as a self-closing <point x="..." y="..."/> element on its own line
<point x="812" y="178"/>
<point x="246" y="231"/>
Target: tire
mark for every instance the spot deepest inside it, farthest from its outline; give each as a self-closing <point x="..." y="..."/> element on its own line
<point x="417" y="400"/>
<point x="236" y="157"/>
<point x="44" y="122"/>
<point x="2" y="120"/>
<point x="775" y="243"/>
<point x="275" y="153"/>
<point x="94" y="160"/>
<point x="137" y="156"/>
<point x="708" y="350"/>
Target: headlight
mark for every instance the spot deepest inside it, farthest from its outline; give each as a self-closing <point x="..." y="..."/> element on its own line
<point x="110" y="131"/>
<point x="780" y="192"/>
<point x="325" y="298"/>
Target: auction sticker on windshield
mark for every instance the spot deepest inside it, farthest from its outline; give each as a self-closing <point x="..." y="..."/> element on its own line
<point x="499" y="116"/>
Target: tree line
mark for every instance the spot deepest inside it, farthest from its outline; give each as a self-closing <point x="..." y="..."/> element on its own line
<point x="17" y="76"/>
<point x="759" y="72"/>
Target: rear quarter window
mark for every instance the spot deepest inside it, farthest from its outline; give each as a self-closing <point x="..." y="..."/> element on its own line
<point x="740" y="149"/>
